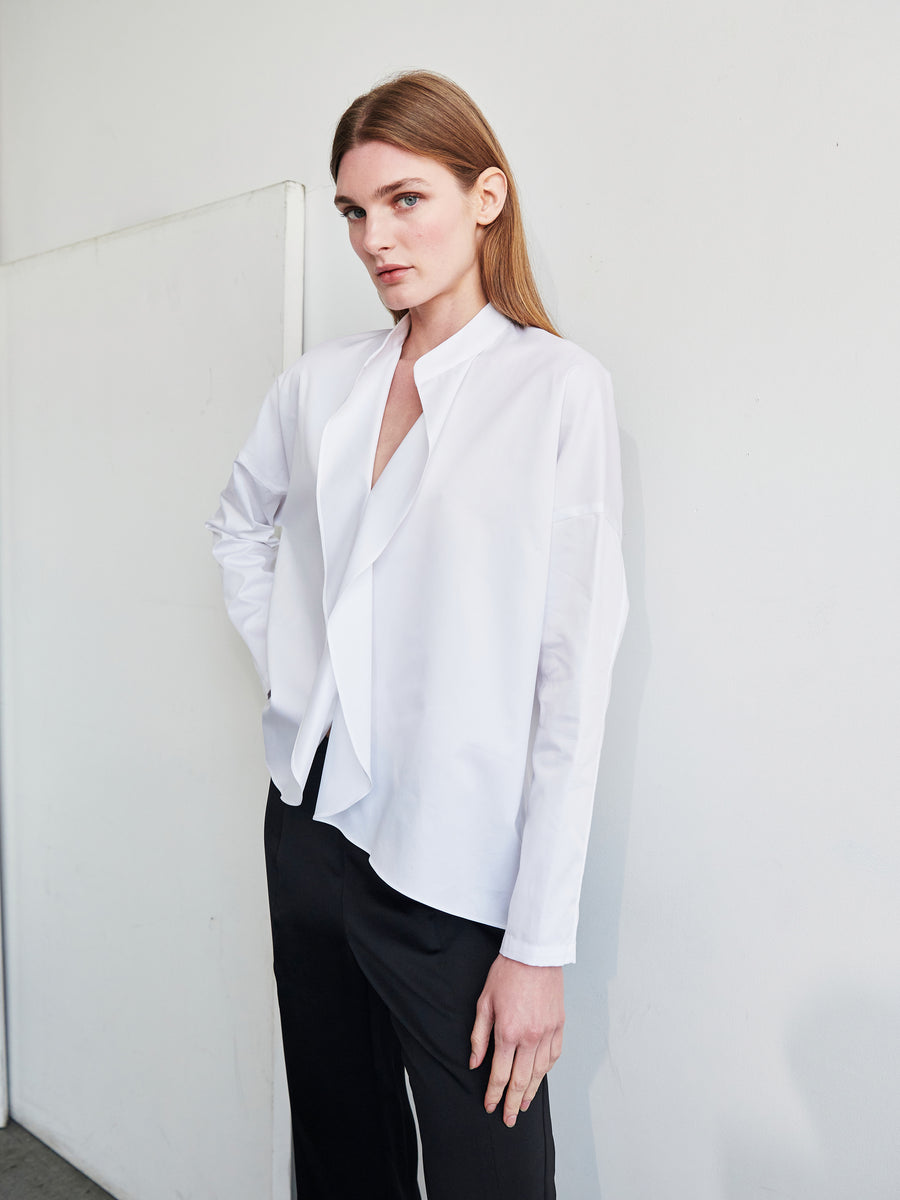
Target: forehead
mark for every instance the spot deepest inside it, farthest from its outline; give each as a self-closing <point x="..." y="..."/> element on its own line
<point x="370" y="167"/>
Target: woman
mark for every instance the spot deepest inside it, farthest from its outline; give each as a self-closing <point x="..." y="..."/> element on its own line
<point x="435" y="625"/>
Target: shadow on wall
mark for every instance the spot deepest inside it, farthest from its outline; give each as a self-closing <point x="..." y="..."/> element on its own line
<point x="587" y="984"/>
<point x="843" y="1052"/>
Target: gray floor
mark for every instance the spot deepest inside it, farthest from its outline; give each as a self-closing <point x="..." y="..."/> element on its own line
<point x="29" y="1170"/>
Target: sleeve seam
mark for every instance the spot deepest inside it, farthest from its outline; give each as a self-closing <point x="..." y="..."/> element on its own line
<point x="588" y="510"/>
<point x="579" y="510"/>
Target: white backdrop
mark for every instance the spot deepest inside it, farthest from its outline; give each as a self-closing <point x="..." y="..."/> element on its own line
<point x="141" y="1016"/>
<point x="712" y="193"/>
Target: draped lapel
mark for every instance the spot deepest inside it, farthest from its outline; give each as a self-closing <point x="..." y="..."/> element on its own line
<point x="346" y="457"/>
<point x="357" y="522"/>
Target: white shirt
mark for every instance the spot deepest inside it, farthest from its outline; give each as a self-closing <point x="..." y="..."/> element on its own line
<point x="456" y="625"/>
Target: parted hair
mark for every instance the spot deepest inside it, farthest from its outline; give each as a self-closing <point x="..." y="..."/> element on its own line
<point x="428" y="115"/>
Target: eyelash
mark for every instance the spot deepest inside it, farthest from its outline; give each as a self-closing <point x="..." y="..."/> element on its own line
<point x="397" y="201"/>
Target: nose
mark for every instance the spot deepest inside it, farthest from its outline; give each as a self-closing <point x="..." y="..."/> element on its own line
<point x="377" y="236"/>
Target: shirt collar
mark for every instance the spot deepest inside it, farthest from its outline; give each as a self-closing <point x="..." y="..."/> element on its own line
<point x="485" y="328"/>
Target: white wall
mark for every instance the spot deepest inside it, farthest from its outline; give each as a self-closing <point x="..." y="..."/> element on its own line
<point x="142" y="1024"/>
<point x="712" y="191"/>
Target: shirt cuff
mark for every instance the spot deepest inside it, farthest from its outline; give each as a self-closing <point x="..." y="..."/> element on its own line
<point x="537" y="956"/>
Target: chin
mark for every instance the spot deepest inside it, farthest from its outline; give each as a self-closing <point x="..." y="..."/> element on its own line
<point x="398" y="299"/>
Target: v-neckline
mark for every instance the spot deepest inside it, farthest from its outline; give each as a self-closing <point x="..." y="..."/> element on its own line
<point x="397" y="450"/>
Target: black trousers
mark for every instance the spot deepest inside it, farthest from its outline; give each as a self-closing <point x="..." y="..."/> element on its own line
<point x="369" y="982"/>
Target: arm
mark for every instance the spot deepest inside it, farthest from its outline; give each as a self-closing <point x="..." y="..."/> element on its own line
<point x="584" y="617"/>
<point x="244" y="525"/>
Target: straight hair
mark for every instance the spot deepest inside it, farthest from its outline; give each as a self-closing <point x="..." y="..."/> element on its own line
<point x="428" y="115"/>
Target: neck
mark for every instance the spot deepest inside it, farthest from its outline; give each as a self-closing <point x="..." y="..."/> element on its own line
<point x="432" y="323"/>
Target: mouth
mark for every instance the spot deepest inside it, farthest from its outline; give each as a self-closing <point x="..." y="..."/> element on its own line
<point x="391" y="273"/>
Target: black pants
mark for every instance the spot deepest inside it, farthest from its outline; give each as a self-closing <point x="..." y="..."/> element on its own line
<point x="370" y="982"/>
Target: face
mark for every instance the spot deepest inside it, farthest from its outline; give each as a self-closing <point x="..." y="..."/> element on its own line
<point x="414" y="227"/>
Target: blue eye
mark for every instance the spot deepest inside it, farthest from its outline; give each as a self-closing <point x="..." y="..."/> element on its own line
<point x="409" y="200"/>
<point x="354" y="213"/>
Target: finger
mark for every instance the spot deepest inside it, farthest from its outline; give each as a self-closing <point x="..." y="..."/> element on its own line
<point x="519" y="1079"/>
<point x="501" y="1068"/>
<point x="542" y="1065"/>
<point x="481" y="1034"/>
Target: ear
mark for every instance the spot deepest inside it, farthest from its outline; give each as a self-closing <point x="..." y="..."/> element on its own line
<point x="490" y="195"/>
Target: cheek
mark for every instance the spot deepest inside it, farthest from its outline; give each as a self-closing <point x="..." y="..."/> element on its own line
<point x="443" y="237"/>
<point x="357" y="234"/>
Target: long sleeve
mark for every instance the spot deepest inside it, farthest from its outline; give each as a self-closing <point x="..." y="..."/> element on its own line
<point x="586" y="607"/>
<point x="244" y="525"/>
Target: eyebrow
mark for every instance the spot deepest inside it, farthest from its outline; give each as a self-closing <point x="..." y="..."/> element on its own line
<point x="398" y="186"/>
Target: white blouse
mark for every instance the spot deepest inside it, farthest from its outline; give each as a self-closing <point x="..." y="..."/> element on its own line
<point x="455" y="625"/>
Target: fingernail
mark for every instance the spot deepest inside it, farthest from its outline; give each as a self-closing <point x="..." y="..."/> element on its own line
<point x="489" y="1107"/>
<point x="472" y="1061"/>
<point x="524" y="1105"/>
<point x="510" y="1121"/>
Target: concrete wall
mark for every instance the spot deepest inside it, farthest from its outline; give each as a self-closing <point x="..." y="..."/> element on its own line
<point x="712" y="193"/>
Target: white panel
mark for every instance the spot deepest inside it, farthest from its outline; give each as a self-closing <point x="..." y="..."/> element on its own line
<point x="139" y="987"/>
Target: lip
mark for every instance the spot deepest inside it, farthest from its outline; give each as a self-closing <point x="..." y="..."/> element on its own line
<point x="391" y="272"/>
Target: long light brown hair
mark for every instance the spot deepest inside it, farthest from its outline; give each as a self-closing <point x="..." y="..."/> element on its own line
<point x="431" y="116"/>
